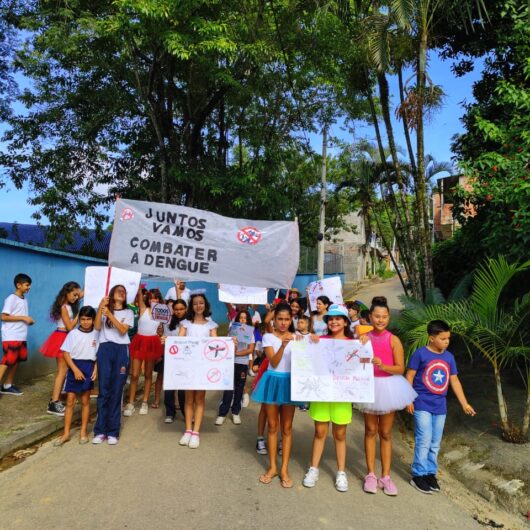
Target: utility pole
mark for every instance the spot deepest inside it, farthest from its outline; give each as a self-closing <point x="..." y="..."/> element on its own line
<point x="322" y="224"/>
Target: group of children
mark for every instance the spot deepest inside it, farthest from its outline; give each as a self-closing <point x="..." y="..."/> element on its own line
<point x="90" y="344"/>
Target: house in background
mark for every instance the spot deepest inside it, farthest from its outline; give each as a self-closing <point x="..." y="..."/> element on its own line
<point x="442" y="204"/>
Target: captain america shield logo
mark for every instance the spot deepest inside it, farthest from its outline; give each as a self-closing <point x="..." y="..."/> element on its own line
<point x="436" y="377"/>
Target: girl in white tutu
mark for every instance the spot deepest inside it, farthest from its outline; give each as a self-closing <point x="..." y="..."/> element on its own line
<point x="392" y="392"/>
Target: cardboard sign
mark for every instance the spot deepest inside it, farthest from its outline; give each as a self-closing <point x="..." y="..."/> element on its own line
<point x="98" y="278"/>
<point x="240" y="294"/>
<point x="332" y="370"/>
<point x="199" y="364"/>
<point x="161" y="313"/>
<point x="330" y="287"/>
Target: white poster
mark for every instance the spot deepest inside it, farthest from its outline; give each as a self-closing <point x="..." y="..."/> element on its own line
<point x="241" y="294"/>
<point x="176" y="241"/>
<point x="330" y="287"/>
<point x="243" y="333"/>
<point x="96" y="279"/>
<point x="199" y="364"/>
<point x="332" y="370"/>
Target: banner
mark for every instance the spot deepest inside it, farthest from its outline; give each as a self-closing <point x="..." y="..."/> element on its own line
<point x="176" y="241"/>
<point x="241" y="294"/>
<point x="332" y="370"/>
<point x="199" y="364"/>
<point x="330" y="287"/>
<point x="98" y="278"/>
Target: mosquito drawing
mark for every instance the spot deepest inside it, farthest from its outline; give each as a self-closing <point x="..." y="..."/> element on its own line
<point x="216" y="349"/>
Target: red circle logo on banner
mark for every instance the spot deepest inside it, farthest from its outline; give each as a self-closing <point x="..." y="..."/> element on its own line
<point x="249" y="235"/>
<point x="127" y="214"/>
<point x="214" y="375"/>
<point x="173" y="349"/>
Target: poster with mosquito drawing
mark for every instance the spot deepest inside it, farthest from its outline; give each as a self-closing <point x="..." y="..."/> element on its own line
<point x="199" y="364"/>
<point x="332" y="370"/>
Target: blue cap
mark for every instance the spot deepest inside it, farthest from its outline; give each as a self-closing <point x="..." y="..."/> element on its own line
<point x="336" y="310"/>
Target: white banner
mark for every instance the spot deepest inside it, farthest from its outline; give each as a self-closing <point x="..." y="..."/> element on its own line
<point x="241" y="294"/>
<point x="199" y="364"/>
<point x="330" y="287"/>
<point x="332" y="370"/>
<point x="97" y="278"/>
<point x="176" y="241"/>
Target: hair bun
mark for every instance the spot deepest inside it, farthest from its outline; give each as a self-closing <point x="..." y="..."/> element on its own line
<point x="379" y="300"/>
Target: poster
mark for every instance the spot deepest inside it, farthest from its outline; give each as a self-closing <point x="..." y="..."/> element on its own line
<point x="241" y="294"/>
<point x="96" y="281"/>
<point x="161" y="313"/>
<point x="199" y="364"/>
<point x="332" y="370"/>
<point x="330" y="287"/>
<point x="171" y="240"/>
<point x="243" y="333"/>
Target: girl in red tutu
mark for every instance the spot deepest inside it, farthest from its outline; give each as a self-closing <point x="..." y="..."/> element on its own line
<point x="145" y="347"/>
<point x="64" y="312"/>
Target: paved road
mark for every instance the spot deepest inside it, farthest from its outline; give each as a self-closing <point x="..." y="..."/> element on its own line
<point x="391" y="289"/>
<point x="148" y="481"/>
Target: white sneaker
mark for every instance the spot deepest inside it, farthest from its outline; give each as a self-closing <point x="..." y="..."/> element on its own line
<point x="195" y="440"/>
<point x="220" y="420"/>
<point x="185" y="440"/>
<point x="246" y="400"/>
<point x="168" y="419"/>
<point x="128" y="409"/>
<point x="112" y="440"/>
<point x="144" y="409"/>
<point x="311" y="477"/>
<point x="98" y="439"/>
<point x="236" y="418"/>
<point x="341" y="481"/>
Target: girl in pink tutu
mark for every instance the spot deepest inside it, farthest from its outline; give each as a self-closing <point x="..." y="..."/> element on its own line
<point x="64" y="312"/>
<point x="145" y="347"/>
<point x="392" y="392"/>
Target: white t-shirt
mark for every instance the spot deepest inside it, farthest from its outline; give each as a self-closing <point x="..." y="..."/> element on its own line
<point x="171" y="332"/>
<point x="256" y="318"/>
<point x="172" y="294"/>
<point x="269" y="339"/>
<point x="147" y="327"/>
<point x="81" y="345"/>
<point x="199" y="330"/>
<point x="125" y="316"/>
<point x="15" y="306"/>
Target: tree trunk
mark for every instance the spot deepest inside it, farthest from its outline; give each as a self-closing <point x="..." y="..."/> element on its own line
<point x="526" y="417"/>
<point x="503" y="408"/>
<point x="406" y="130"/>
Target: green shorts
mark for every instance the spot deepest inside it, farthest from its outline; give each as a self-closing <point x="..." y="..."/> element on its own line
<point x="339" y="413"/>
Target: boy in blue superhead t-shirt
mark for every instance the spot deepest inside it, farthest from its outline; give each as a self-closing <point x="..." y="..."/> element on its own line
<point x="431" y="370"/>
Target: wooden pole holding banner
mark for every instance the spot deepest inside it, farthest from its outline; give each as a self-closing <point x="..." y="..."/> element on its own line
<point x="107" y="286"/>
<point x="322" y="224"/>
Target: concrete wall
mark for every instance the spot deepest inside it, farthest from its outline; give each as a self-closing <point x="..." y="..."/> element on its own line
<point x="50" y="270"/>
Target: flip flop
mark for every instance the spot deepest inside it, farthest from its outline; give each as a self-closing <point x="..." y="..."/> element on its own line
<point x="155" y="405"/>
<point x="286" y="483"/>
<point x="60" y="442"/>
<point x="266" y="479"/>
<point x="83" y="441"/>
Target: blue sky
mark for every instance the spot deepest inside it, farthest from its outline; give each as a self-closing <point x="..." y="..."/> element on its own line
<point x="438" y="132"/>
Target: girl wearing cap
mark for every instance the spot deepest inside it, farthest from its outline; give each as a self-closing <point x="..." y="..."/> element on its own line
<point x="339" y="414"/>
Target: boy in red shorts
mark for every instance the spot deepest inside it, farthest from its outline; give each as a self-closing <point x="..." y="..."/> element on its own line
<point x="15" y="322"/>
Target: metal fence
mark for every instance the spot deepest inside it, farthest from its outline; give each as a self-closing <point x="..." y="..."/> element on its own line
<point x="333" y="263"/>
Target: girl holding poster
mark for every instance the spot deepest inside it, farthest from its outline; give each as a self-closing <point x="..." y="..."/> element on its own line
<point x="113" y="321"/>
<point x="392" y="392"/>
<point x="145" y="348"/>
<point x="274" y="391"/>
<point x="196" y="324"/>
<point x="339" y="414"/>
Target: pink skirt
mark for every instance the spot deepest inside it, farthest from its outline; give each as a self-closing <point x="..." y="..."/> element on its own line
<point x="52" y="347"/>
<point x="146" y="348"/>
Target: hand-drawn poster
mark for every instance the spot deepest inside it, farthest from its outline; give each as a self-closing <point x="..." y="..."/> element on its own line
<point x="97" y="279"/>
<point x="243" y="333"/>
<point x="199" y="364"/>
<point x="332" y="370"/>
<point x="241" y="294"/>
<point x="330" y="287"/>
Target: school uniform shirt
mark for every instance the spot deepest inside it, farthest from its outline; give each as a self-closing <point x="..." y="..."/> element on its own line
<point x="199" y="330"/>
<point x="269" y="339"/>
<point x="81" y="345"/>
<point x="124" y="316"/>
<point x="431" y="381"/>
<point x="172" y="294"/>
<point x="15" y="331"/>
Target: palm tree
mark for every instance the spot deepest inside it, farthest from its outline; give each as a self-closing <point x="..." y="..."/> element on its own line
<point x="497" y="331"/>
